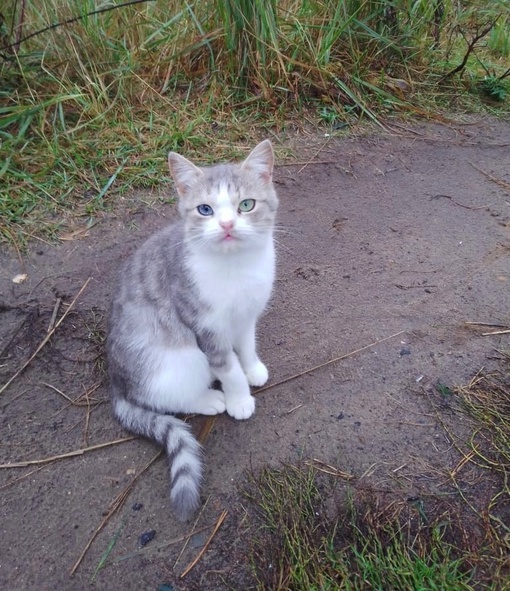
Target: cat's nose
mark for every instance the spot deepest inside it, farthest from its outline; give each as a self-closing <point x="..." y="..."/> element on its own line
<point x="227" y="225"/>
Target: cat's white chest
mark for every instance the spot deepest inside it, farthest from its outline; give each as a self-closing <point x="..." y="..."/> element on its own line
<point x="235" y="288"/>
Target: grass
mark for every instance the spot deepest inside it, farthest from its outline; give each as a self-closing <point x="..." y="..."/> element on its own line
<point x="364" y="544"/>
<point x="89" y="109"/>
<point x="487" y="400"/>
<point x="313" y="534"/>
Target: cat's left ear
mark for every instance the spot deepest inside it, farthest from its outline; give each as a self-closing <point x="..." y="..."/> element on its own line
<point x="261" y="161"/>
<point x="184" y="172"/>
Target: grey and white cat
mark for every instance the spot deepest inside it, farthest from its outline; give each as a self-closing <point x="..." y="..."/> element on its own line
<point x="185" y="311"/>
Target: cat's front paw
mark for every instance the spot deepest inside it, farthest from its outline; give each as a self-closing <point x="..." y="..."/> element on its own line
<point x="257" y="374"/>
<point x="242" y="408"/>
<point x="213" y="403"/>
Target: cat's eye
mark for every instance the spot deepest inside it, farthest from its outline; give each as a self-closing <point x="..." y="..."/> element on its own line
<point x="246" y="205"/>
<point x="204" y="209"/>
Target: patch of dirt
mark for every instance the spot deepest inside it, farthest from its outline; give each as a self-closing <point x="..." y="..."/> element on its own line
<point x="386" y="249"/>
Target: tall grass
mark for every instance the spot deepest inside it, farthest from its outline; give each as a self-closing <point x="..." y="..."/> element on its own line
<point x="90" y="108"/>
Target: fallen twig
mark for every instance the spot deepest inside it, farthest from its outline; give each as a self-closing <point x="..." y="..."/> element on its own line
<point x="320" y="366"/>
<point x="193" y="531"/>
<point x="474" y="208"/>
<point x="54" y="315"/>
<point x="115" y="505"/>
<point x="488" y="334"/>
<point x="160" y="546"/>
<point x="323" y="467"/>
<point x="206" y="428"/>
<point x="487" y="324"/>
<point x="312" y="159"/>
<point x="494" y="179"/>
<point x="412" y="286"/>
<point x="307" y="162"/>
<point x="221" y="519"/>
<point x="45" y="340"/>
<point x="69" y="454"/>
<point x="26" y="475"/>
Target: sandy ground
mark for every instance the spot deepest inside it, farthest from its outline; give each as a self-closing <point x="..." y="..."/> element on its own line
<point x="388" y="244"/>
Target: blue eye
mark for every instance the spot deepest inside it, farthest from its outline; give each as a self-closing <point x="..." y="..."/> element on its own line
<point x="204" y="209"/>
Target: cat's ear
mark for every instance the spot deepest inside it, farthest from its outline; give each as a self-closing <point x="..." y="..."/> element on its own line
<point x="184" y="172"/>
<point x="261" y="161"/>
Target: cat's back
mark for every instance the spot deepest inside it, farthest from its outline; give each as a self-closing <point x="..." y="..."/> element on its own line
<point x="152" y="268"/>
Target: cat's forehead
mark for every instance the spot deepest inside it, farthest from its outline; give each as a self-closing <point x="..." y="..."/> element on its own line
<point x="222" y="175"/>
<point x="223" y="183"/>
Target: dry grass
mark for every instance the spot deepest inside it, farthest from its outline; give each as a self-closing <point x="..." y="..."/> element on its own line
<point x="89" y="109"/>
<point x="487" y="400"/>
<point x="316" y="532"/>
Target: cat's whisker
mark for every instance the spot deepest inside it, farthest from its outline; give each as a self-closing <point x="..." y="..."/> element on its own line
<point x="283" y="246"/>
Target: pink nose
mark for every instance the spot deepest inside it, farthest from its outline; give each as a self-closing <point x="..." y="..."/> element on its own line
<point x="227" y="226"/>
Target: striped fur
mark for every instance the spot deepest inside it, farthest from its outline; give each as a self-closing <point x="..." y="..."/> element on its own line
<point x="185" y="311"/>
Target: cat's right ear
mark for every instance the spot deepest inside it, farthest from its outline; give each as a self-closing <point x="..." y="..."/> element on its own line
<point x="184" y="173"/>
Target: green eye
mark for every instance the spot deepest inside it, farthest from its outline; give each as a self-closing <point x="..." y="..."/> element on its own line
<point x="246" y="205"/>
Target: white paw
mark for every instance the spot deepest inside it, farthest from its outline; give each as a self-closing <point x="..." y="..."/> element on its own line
<point x="213" y="403"/>
<point x="257" y="374"/>
<point x="242" y="408"/>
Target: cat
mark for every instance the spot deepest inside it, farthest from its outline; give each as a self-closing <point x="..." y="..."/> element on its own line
<point x="184" y="313"/>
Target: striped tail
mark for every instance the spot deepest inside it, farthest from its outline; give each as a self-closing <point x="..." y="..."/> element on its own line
<point x="183" y="451"/>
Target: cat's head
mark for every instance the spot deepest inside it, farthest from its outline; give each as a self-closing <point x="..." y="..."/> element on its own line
<point x="227" y="207"/>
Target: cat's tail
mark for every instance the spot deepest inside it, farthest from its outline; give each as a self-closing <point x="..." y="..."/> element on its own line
<point x="183" y="451"/>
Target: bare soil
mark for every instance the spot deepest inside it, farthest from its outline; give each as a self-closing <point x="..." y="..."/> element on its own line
<point x="388" y="245"/>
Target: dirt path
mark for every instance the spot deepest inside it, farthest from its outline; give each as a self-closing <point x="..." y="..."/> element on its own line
<point x="390" y="235"/>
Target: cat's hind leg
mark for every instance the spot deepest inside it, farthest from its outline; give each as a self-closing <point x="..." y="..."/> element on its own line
<point x="180" y="383"/>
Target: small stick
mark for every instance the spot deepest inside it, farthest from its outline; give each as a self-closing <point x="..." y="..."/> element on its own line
<point x="487" y="324"/>
<point x="45" y="340"/>
<point x="461" y="204"/>
<point x="206" y="428"/>
<point x="494" y="179"/>
<point x="58" y="392"/>
<point x="412" y="286"/>
<point x="70" y="454"/>
<point x="308" y="163"/>
<point x="201" y="553"/>
<point x="488" y="334"/>
<point x="14" y="480"/>
<point x="323" y="467"/>
<point x="153" y="547"/>
<point x="302" y="373"/>
<point x="112" y="509"/>
<point x="54" y="315"/>
<point x="312" y="159"/>
<point x="294" y="409"/>
<point x="193" y="531"/>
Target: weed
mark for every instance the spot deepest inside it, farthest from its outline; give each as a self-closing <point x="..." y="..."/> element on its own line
<point x="494" y="88"/>
<point x="365" y="545"/>
<point x="93" y="99"/>
<point x="310" y="533"/>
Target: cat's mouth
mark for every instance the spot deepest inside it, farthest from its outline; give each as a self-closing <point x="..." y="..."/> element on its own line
<point x="228" y="237"/>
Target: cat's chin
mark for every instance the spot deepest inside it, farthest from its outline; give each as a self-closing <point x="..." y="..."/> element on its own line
<point x="225" y="246"/>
